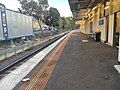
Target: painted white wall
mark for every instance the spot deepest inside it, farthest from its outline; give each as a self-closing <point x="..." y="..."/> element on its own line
<point x="111" y="30"/>
<point x="102" y="28"/>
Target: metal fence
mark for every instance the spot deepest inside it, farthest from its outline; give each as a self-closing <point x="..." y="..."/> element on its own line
<point x="5" y="53"/>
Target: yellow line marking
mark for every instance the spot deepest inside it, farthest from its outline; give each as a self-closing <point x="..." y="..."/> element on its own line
<point x="40" y="72"/>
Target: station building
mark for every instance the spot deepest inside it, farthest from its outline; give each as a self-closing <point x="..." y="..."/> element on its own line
<point x="98" y="16"/>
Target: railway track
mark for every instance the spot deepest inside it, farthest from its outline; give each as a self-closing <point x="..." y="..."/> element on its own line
<point x="14" y="61"/>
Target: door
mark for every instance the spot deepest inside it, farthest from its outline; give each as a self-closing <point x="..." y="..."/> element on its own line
<point x="91" y="27"/>
<point x="117" y="29"/>
<point x="107" y="28"/>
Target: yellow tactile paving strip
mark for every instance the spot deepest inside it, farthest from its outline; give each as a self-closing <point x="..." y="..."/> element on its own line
<point x="39" y="80"/>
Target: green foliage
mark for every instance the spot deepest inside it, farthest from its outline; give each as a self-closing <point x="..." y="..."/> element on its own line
<point x="53" y="17"/>
<point x="29" y="6"/>
<point x="43" y="4"/>
<point x="66" y="23"/>
<point x="60" y="23"/>
<point x="34" y="8"/>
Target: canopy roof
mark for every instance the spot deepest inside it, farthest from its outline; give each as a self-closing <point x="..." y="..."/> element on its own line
<point x="82" y="4"/>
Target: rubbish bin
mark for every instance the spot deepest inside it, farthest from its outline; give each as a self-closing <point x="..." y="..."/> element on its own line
<point x="96" y="36"/>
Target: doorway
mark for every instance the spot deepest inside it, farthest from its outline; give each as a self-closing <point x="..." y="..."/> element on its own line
<point x="91" y="27"/>
<point x="107" y="28"/>
<point x="116" y="29"/>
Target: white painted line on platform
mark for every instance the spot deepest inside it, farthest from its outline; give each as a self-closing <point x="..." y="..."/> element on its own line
<point x="12" y="79"/>
<point x="117" y="67"/>
<point x="85" y="41"/>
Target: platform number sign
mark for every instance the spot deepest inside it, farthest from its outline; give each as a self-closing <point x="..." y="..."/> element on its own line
<point x="4" y="21"/>
<point x="101" y="22"/>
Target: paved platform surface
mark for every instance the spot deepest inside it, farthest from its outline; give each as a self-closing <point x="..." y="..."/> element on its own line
<point x="16" y="76"/>
<point x="85" y="66"/>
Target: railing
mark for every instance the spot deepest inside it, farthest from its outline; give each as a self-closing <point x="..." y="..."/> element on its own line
<point x="5" y="53"/>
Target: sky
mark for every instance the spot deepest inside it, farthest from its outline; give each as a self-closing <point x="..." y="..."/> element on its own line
<point x="11" y="4"/>
<point x="61" y="5"/>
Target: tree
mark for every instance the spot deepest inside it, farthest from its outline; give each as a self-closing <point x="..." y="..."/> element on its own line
<point x="28" y="6"/>
<point x="70" y="23"/>
<point x="43" y="5"/>
<point x="64" y="22"/>
<point x="60" y="23"/>
<point x="53" y="17"/>
<point x="34" y="8"/>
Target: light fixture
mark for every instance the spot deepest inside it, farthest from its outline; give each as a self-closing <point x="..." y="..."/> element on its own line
<point x="107" y="3"/>
<point x="94" y="8"/>
<point x="107" y="7"/>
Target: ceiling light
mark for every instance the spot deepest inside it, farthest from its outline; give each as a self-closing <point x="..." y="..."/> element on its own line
<point x="94" y="8"/>
<point x="107" y="7"/>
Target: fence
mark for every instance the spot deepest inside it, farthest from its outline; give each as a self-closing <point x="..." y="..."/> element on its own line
<point x="5" y="53"/>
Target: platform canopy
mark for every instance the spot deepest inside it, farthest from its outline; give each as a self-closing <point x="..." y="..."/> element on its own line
<point x="77" y="5"/>
<point x="82" y="4"/>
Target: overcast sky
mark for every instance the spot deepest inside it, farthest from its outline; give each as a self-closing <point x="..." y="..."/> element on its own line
<point x="61" y="5"/>
<point x="11" y="4"/>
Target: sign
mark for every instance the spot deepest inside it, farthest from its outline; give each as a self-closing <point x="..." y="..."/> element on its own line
<point x="4" y="21"/>
<point x="101" y="22"/>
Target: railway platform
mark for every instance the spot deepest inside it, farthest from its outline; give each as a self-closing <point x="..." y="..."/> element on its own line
<point x="76" y="63"/>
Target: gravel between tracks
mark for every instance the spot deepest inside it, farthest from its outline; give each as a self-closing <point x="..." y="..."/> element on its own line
<point x="31" y="51"/>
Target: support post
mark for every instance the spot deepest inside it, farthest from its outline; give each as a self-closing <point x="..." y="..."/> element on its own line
<point x="11" y="41"/>
<point x="27" y="42"/>
<point x="119" y="50"/>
